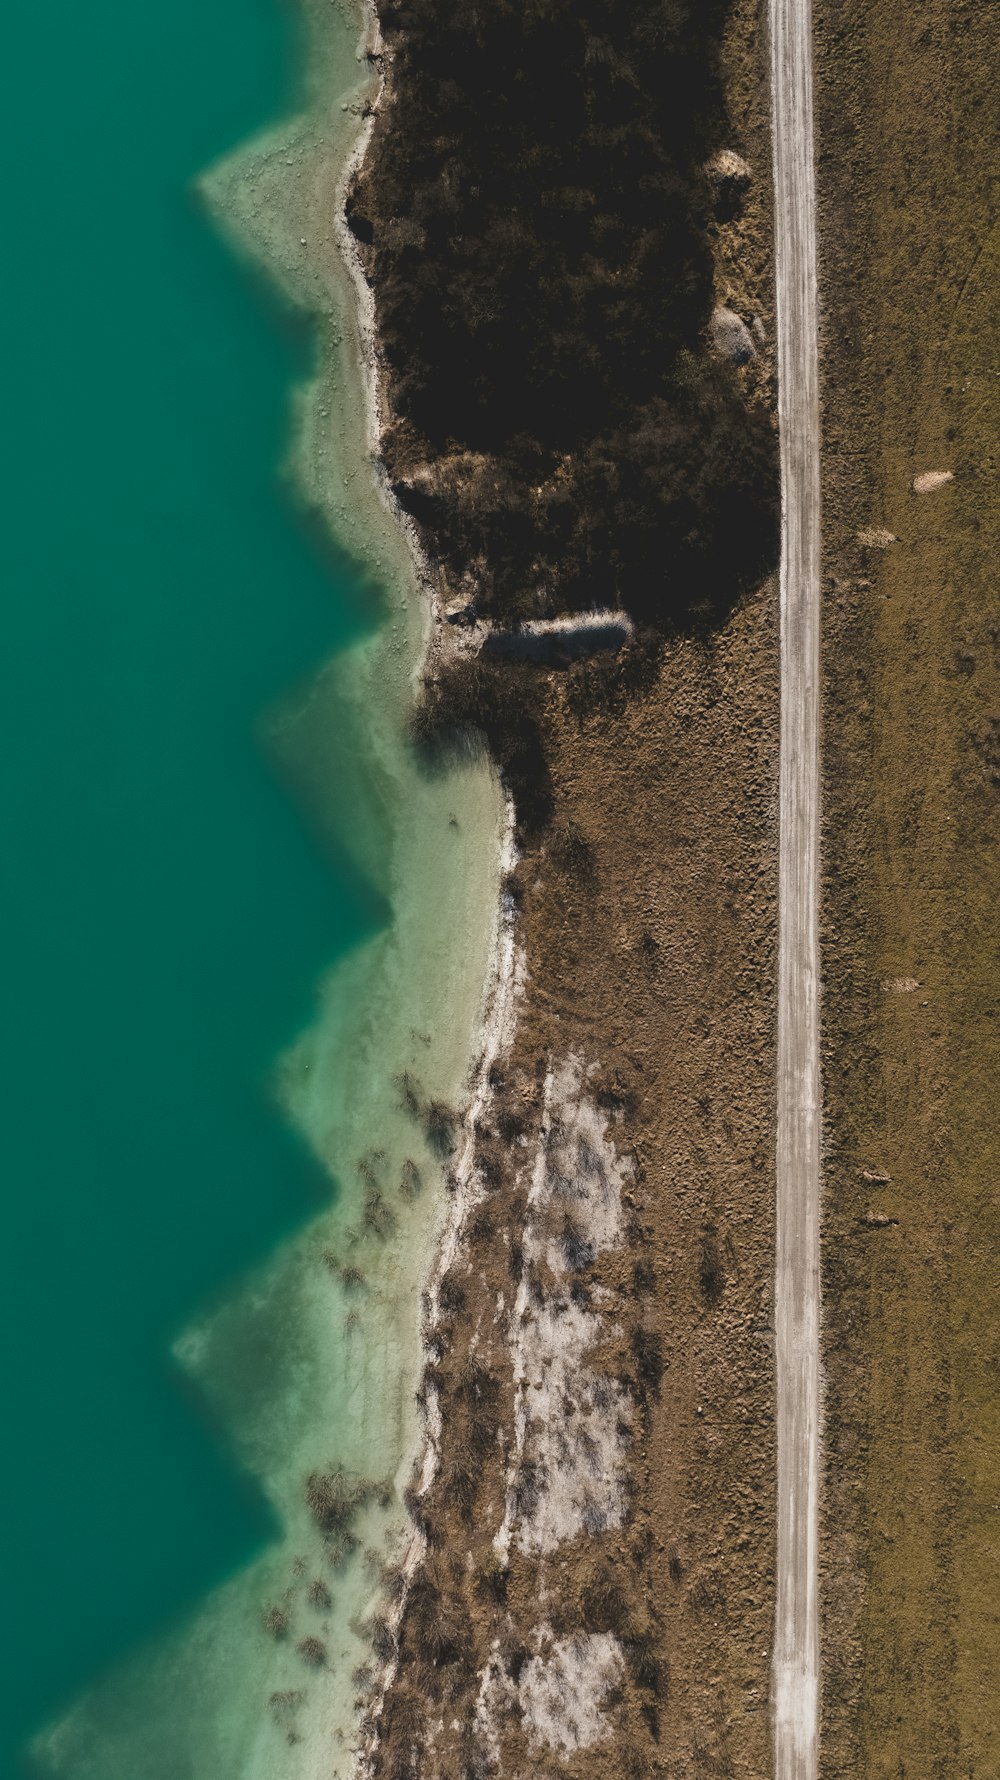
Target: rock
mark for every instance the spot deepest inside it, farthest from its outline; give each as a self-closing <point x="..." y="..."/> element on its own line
<point x="730" y="336"/>
<point x="930" y="480"/>
<point x="729" y="168"/>
<point x="875" y="537"/>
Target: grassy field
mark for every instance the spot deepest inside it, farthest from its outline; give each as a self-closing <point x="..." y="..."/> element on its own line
<point x="910" y="133"/>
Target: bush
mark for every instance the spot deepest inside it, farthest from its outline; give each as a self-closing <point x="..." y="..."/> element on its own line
<point x="608" y="1605"/>
<point x="648" y="1670"/>
<point x="313" y="1652"/>
<point x="379" y="1216"/>
<point x="333" y="1498"/>
<point x="577" y="1250"/>
<point x="494" y="1578"/>
<point x="411" y="1182"/>
<point x="647" y="1349"/>
<point x="459" y="1485"/>
<point x="382" y="1638"/>
<point x="451" y="1296"/>
<point x="711" y="1275"/>
<point x="440" y="1121"/>
<point x="572" y="854"/>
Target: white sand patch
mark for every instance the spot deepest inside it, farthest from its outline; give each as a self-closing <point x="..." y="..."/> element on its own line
<point x="584" y="1176"/>
<point x="930" y="480"/>
<point x="573" y="1474"/>
<point x="568" y="1471"/>
<point x="561" y="1694"/>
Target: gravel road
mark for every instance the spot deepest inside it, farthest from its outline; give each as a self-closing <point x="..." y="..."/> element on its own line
<point x="795" y="1677"/>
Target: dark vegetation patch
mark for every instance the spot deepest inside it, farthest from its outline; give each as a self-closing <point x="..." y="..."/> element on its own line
<point x="320" y="1596"/>
<point x="572" y="855"/>
<point x="334" y="1498"/>
<point x="647" y="1350"/>
<point x="711" y="1269"/>
<point x="534" y="219"/>
<point x="312" y="1651"/>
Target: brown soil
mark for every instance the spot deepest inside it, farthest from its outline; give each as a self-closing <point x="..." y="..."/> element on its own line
<point x="648" y="921"/>
<point x="910" y="246"/>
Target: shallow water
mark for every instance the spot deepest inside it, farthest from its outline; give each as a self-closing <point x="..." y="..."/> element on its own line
<point x="191" y="847"/>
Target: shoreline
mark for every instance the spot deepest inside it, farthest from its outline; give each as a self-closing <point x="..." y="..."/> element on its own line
<point x="497" y="1036"/>
<point x="438" y="634"/>
<point x="496" y="1033"/>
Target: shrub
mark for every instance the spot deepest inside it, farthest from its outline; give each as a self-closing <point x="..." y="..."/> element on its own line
<point x="501" y="703"/>
<point x="451" y="1295"/>
<point x="379" y="1216"/>
<point x="313" y="1652"/>
<point x="440" y="1121"/>
<point x="382" y="1638"/>
<point x="648" y="1670"/>
<point x="711" y="1275"/>
<point x="437" y="1622"/>
<point x="573" y="855"/>
<point x="409" y="1093"/>
<point x="459" y="1487"/>
<point x="577" y="1250"/>
<point x="333" y="1497"/>
<point x="608" y="1606"/>
<point x="527" y="1490"/>
<point x="411" y="1182"/>
<point x="643" y="1277"/>
<point x="511" y="1123"/>
<point x="647" y="1348"/>
<point x="494" y="1578"/>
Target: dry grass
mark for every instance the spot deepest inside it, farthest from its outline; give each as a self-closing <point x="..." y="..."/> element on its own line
<point x="912" y="257"/>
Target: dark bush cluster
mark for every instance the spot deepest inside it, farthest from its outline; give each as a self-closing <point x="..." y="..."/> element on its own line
<point x="534" y="220"/>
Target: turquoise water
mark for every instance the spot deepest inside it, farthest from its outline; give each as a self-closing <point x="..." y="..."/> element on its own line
<point x="165" y="914"/>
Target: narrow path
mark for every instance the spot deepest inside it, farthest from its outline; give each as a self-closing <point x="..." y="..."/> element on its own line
<point x="795" y="1695"/>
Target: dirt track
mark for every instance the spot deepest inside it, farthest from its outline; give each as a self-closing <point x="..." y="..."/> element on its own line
<point x="796" y="1648"/>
